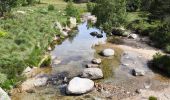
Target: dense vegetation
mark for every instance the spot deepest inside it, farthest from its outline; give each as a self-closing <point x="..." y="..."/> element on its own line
<point x="25" y="34"/>
<point x="110" y="13"/>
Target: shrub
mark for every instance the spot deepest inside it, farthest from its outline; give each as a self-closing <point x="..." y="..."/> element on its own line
<point x="162" y="62"/>
<point x="50" y="7"/>
<point x="2" y="33"/>
<point x="3" y="78"/>
<point x="152" y="98"/>
<point x="43" y="11"/>
<point x="71" y="10"/>
<point x="110" y="13"/>
<point x="90" y="6"/>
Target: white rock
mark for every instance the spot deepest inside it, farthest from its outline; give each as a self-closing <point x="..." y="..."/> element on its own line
<point x="92" y="73"/>
<point x="133" y="36"/>
<point x="58" y="26"/>
<point x="21" y="12"/>
<point x="108" y="52"/>
<point x="96" y="61"/>
<point x="3" y="95"/>
<point x="138" y="72"/>
<point x="73" y="22"/>
<point x="79" y="86"/>
<point x="28" y="69"/>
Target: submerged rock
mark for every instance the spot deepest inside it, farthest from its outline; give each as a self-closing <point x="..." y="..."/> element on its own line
<point x="79" y="86"/>
<point x="34" y="82"/>
<point x="92" y="65"/>
<point x="99" y="35"/>
<point x="92" y="73"/>
<point x="3" y="95"/>
<point x="96" y="61"/>
<point x="93" y="33"/>
<point x="108" y="52"/>
<point x="138" y="72"/>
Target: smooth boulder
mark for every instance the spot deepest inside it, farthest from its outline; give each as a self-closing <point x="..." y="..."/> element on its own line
<point x="96" y="61"/>
<point x="3" y="95"/>
<point x="92" y="73"/>
<point x="79" y="86"/>
<point x="108" y="52"/>
<point x="138" y="72"/>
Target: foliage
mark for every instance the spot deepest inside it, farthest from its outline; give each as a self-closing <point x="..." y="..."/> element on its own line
<point x="161" y="35"/>
<point x="2" y="33"/>
<point x="162" y="62"/>
<point x="133" y="5"/>
<point x="25" y="44"/>
<point x="71" y="10"/>
<point x="152" y="98"/>
<point x="51" y="7"/>
<point x="5" y="6"/>
<point x="160" y="9"/>
<point x="3" y="78"/>
<point x="90" y="6"/>
<point x="115" y="17"/>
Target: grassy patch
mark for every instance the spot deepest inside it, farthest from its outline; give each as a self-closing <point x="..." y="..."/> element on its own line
<point x="30" y="31"/>
<point x="109" y="63"/>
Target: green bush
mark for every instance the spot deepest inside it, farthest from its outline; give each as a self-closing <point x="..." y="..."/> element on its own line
<point x="2" y="33"/>
<point x="110" y="13"/>
<point x="90" y="6"/>
<point x="161" y="36"/>
<point x="3" y="78"/>
<point x="43" y="11"/>
<point x="50" y="7"/>
<point x="153" y="98"/>
<point x="71" y="10"/>
<point x="162" y="62"/>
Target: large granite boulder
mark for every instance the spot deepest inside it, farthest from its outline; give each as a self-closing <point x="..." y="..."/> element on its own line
<point x="79" y="86"/>
<point x="108" y="52"/>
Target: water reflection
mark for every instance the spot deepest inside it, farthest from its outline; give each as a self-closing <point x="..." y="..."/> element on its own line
<point x="76" y="51"/>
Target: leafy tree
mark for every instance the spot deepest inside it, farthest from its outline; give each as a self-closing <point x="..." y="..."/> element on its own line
<point x="133" y="5"/>
<point x="160" y="9"/>
<point x="71" y="10"/>
<point x="110" y="13"/>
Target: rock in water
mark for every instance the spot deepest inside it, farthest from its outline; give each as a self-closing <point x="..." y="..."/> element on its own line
<point x="3" y="95"/>
<point x="79" y="86"/>
<point x="92" y="65"/>
<point x="92" y="73"/>
<point x="96" y="61"/>
<point x="99" y="35"/>
<point x="93" y="33"/>
<point x="108" y="52"/>
<point x="138" y="72"/>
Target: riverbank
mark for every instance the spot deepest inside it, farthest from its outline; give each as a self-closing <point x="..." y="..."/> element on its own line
<point x="118" y="83"/>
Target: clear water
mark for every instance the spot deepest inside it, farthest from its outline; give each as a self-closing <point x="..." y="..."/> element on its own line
<point x="74" y="53"/>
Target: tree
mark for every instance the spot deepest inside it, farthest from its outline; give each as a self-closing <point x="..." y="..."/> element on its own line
<point x="133" y="5"/>
<point x="110" y="13"/>
<point x="160" y="9"/>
